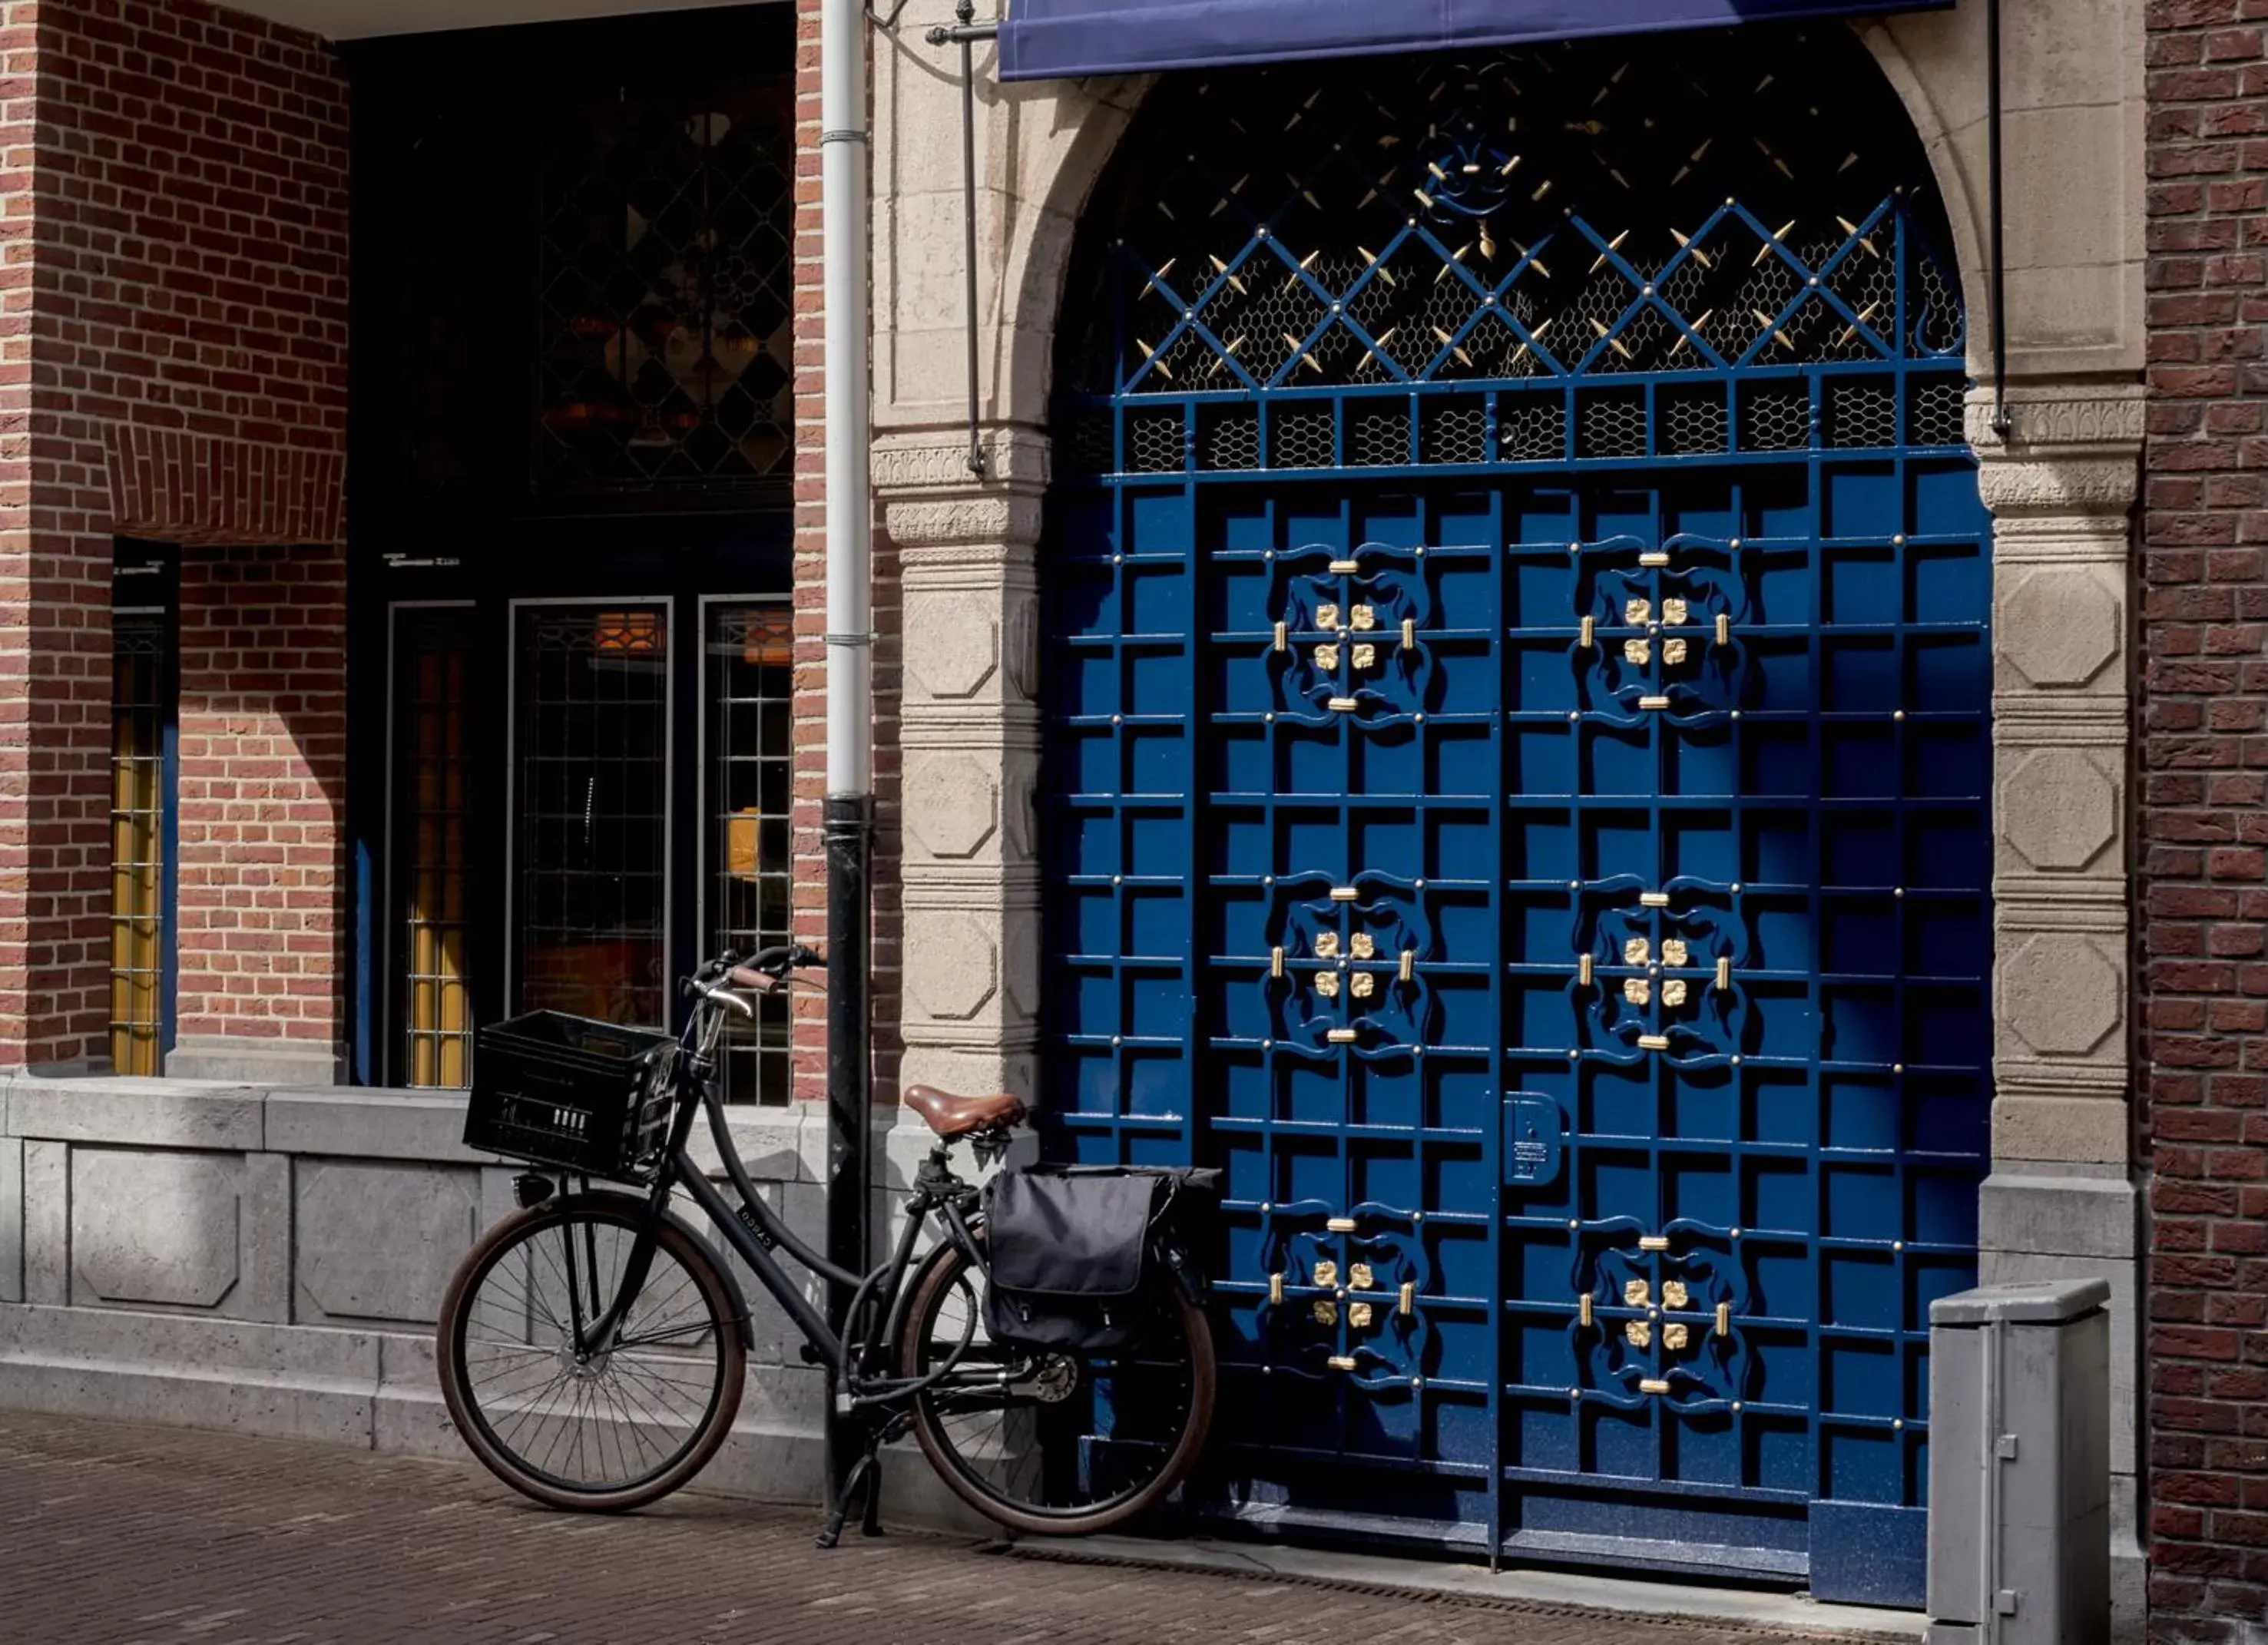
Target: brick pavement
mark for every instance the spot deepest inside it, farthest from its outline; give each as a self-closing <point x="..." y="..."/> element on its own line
<point x="111" y="1534"/>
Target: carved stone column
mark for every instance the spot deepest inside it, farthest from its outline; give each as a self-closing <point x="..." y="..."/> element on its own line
<point x="970" y="731"/>
<point x="2060" y="1201"/>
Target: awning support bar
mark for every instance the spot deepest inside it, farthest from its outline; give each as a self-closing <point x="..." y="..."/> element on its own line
<point x="2004" y="419"/>
<point x="965" y="34"/>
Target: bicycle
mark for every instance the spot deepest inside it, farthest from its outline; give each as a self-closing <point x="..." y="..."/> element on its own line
<point x="592" y="1346"/>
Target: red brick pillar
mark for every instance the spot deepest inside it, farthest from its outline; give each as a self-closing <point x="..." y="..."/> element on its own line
<point x="172" y="367"/>
<point x="810" y="573"/>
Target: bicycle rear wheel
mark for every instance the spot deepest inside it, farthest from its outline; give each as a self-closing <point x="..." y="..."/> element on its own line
<point x="596" y="1432"/>
<point x="1073" y="1444"/>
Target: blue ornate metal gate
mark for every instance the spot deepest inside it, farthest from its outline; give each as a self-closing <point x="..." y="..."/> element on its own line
<point x="1518" y="768"/>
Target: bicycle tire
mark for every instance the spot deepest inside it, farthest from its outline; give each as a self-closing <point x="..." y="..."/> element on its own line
<point x="469" y="1409"/>
<point x="943" y="1273"/>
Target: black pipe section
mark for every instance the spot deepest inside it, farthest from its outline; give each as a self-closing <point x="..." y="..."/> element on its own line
<point x="2003" y="420"/>
<point x="849" y="830"/>
<point x="965" y="32"/>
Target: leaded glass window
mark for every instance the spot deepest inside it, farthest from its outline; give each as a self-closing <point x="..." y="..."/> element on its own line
<point x="591" y="828"/>
<point x="141" y="709"/>
<point x="751" y="866"/>
<point x="664" y="266"/>
<point x="433" y="781"/>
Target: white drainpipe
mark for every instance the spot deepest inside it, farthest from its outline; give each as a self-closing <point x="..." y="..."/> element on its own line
<point x="843" y="148"/>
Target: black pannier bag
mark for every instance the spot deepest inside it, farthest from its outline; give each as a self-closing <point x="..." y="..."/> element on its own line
<point x="1071" y="1248"/>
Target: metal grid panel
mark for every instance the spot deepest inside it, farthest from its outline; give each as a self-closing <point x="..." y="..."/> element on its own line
<point x="750" y="687"/>
<point x="591" y="742"/>
<point x="140" y="708"/>
<point x="1650" y="726"/>
<point x="432" y="778"/>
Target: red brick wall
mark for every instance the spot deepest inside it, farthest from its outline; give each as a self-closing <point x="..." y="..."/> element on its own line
<point x="810" y="901"/>
<point x="174" y="366"/>
<point x="2205" y="817"/>
<point x="261" y="927"/>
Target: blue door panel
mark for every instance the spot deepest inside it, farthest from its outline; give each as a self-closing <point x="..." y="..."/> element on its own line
<point x="1515" y="798"/>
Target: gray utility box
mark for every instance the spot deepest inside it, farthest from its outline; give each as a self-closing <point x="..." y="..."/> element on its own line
<point x="2020" y="1465"/>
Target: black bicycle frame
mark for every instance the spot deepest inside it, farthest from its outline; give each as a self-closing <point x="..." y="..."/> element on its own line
<point x="753" y="1230"/>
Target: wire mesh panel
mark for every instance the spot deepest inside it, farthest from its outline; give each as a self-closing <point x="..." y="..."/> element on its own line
<point x="141" y="708"/>
<point x="1518" y="746"/>
<point x="432" y="821"/>
<point x="590" y="781"/>
<point x="749" y="701"/>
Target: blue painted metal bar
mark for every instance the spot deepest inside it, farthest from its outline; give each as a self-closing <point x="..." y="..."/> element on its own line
<point x="1068" y="38"/>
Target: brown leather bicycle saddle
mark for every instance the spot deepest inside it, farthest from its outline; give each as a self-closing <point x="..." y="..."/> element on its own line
<point x="956" y="1116"/>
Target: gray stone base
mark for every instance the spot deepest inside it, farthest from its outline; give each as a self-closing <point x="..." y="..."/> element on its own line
<point x="240" y="1256"/>
<point x="247" y="1061"/>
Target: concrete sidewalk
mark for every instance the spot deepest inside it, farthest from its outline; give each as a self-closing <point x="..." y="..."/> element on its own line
<point x="111" y="1533"/>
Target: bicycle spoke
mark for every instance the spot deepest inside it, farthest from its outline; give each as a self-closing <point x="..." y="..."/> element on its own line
<point x="1035" y="1446"/>
<point x="563" y="1408"/>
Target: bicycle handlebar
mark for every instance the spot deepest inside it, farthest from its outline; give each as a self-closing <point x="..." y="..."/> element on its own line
<point x="762" y="972"/>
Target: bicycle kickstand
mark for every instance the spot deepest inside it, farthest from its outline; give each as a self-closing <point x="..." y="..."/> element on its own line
<point x="862" y="1483"/>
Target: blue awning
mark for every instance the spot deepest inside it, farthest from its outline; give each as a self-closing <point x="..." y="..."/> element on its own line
<point x="1044" y="40"/>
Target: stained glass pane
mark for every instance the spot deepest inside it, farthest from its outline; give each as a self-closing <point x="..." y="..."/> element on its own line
<point x="140" y="647"/>
<point x="666" y="271"/>
<point x="751" y="871"/>
<point x="592" y="773"/>
<point x="431" y="782"/>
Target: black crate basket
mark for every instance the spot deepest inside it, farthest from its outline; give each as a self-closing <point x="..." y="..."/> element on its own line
<point x="568" y="1091"/>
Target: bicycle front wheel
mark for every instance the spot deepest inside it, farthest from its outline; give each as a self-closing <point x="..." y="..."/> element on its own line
<point x="1055" y="1443"/>
<point x="595" y="1431"/>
